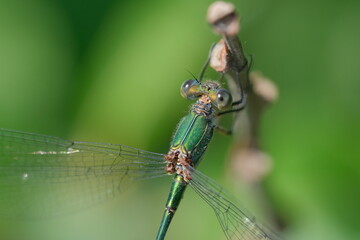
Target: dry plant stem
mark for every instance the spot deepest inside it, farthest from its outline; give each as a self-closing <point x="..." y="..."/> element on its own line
<point x="228" y="57"/>
<point x="263" y="92"/>
<point x="250" y="163"/>
<point x="248" y="148"/>
<point x="238" y="69"/>
<point x="228" y="52"/>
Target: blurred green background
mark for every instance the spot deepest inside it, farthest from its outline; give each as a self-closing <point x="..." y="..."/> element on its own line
<point x="110" y="71"/>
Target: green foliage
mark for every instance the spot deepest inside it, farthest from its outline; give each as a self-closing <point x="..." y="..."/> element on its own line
<point x="111" y="72"/>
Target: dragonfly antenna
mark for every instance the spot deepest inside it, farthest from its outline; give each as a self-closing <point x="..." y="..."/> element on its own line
<point x="192" y="75"/>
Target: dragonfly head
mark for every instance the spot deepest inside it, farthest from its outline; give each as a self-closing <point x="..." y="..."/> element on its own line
<point x="219" y="97"/>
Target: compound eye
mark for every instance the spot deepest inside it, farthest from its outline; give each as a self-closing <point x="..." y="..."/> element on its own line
<point x="190" y="89"/>
<point x="223" y="99"/>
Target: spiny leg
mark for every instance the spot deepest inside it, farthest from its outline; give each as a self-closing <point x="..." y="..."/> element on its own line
<point x="224" y="130"/>
<point x="206" y="64"/>
<point x="239" y="105"/>
<point x="241" y="88"/>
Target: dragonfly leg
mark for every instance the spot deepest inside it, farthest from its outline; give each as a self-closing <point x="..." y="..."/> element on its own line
<point x="236" y="109"/>
<point x="240" y="104"/>
<point x="206" y="64"/>
<point x="222" y="130"/>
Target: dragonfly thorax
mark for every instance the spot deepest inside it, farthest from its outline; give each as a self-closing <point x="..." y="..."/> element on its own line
<point x="191" y="138"/>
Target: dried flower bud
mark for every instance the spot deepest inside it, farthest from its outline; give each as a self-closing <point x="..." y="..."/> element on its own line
<point x="223" y="17"/>
<point x="219" y="57"/>
<point x="263" y="87"/>
<point x="251" y="165"/>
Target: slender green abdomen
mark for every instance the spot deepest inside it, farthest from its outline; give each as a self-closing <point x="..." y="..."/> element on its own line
<point x="177" y="190"/>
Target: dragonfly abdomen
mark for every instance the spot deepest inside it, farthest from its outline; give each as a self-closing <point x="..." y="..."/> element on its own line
<point x="176" y="192"/>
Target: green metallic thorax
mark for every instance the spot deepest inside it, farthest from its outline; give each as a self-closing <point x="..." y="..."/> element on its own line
<point x="192" y="136"/>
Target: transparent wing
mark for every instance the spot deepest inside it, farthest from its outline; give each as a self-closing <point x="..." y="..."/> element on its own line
<point x="235" y="222"/>
<point x="41" y="176"/>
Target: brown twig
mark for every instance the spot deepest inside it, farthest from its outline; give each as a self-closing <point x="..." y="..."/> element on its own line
<point x="228" y="56"/>
<point x="249" y="162"/>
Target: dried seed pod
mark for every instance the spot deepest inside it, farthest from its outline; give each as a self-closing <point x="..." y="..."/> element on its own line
<point x="223" y="18"/>
<point x="219" y="57"/>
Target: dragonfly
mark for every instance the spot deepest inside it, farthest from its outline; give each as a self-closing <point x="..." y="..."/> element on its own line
<point x="37" y="171"/>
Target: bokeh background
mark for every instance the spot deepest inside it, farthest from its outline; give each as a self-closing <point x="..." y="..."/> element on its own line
<point x="110" y="71"/>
